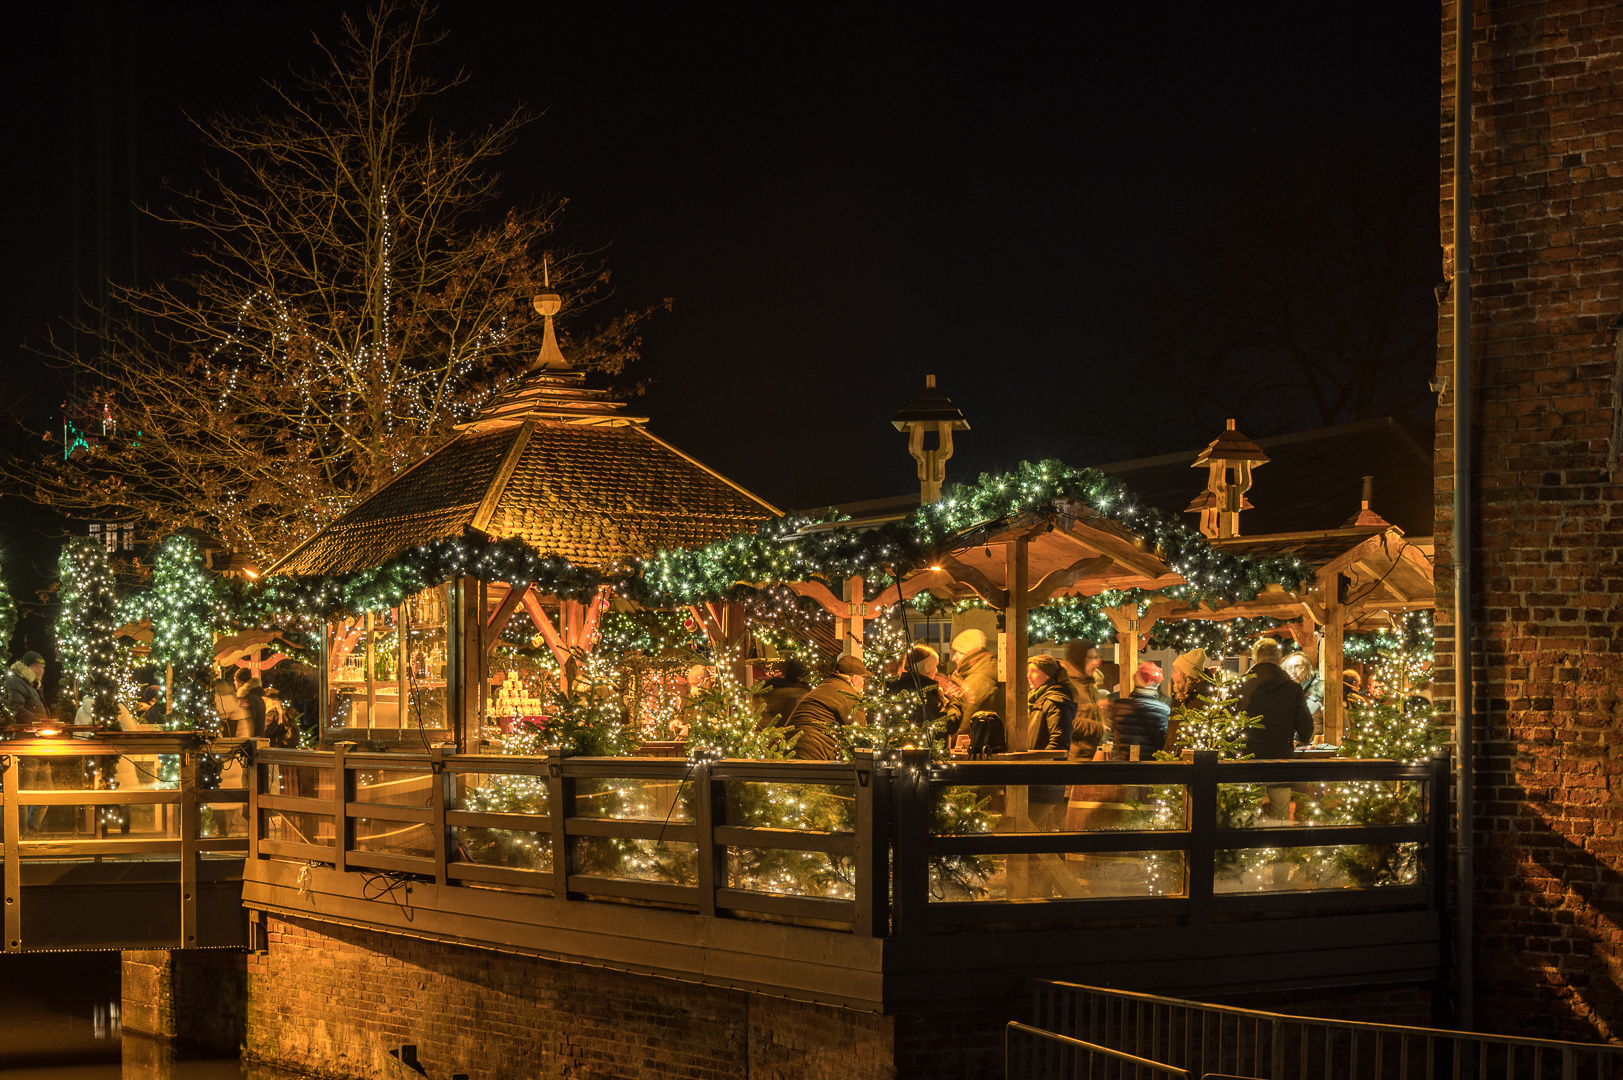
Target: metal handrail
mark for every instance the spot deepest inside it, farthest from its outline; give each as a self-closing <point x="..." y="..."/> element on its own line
<point x="1166" y="1027"/>
<point x="1011" y="1061"/>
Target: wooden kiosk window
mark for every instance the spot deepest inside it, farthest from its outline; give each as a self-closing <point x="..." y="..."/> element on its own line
<point x="386" y="671"/>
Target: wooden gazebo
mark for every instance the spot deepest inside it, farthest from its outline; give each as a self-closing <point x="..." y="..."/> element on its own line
<point x="550" y="462"/>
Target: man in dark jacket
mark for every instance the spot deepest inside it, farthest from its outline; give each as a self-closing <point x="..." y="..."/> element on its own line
<point x="783" y="693"/>
<point x="23" y="681"/>
<point x="1275" y="698"/>
<point x="818" y="717"/>
<point x="918" y="687"/>
<point x="1144" y="722"/>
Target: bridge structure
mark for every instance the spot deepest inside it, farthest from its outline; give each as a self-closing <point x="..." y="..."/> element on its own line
<point x="899" y="886"/>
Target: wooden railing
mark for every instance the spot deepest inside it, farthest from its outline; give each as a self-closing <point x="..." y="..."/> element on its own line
<point x="114" y="799"/>
<point x="419" y="814"/>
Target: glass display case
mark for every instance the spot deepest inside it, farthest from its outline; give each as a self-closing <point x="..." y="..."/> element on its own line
<point x="386" y="671"/>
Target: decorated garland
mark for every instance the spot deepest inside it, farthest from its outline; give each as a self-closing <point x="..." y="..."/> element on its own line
<point x="787" y="549"/>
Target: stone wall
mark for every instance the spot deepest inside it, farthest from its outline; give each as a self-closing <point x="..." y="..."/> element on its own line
<point x="336" y="1000"/>
<point x="1547" y="247"/>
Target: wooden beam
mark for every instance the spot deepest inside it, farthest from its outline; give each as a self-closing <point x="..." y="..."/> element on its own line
<point x="1053" y="582"/>
<point x="498" y="621"/>
<point x="978" y="582"/>
<point x="1017" y="569"/>
<point x="1330" y="660"/>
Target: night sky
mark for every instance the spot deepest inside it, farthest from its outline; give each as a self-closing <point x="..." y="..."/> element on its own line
<point x="838" y="199"/>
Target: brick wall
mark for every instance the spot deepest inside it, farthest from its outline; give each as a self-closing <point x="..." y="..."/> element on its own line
<point x="1547" y="245"/>
<point x="336" y="999"/>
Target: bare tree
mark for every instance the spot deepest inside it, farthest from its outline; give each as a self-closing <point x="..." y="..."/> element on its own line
<point x="1307" y="300"/>
<point x="354" y="294"/>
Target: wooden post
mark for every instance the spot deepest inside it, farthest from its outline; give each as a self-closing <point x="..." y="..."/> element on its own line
<point x="708" y="814"/>
<point x="469" y="657"/>
<point x="11" y="777"/>
<point x="849" y="628"/>
<point x="1202" y="812"/>
<point x="1016" y="569"/>
<point x="1128" y="626"/>
<point x="872" y="790"/>
<point x="560" y="807"/>
<point x="440" y="796"/>
<point x="343" y="787"/>
<point x="255" y="771"/>
<point x="910" y="795"/>
<point x="1330" y="658"/>
<point x="189" y="809"/>
<point x="1439" y="825"/>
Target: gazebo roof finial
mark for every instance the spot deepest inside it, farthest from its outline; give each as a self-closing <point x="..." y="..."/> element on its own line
<point x="547" y="303"/>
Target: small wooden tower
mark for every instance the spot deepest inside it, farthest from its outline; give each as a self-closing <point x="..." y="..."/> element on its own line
<point x="930" y="411"/>
<point x="1228" y="460"/>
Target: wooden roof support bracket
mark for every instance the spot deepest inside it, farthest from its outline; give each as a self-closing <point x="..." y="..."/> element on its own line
<point x="503" y="615"/>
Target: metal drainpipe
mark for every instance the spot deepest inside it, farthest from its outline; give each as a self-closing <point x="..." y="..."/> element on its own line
<point x="1465" y="786"/>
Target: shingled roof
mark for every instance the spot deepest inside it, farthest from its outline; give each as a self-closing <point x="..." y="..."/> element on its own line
<point x="552" y="463"/>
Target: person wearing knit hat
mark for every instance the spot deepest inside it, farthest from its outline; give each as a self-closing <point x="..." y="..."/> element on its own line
<point x="976" y="677"/>
<point x="1144" y="722"/>
<point x="1050" y="708"/>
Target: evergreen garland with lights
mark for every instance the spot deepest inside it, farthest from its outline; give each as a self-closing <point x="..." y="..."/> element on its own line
<point x="87" y="619"/>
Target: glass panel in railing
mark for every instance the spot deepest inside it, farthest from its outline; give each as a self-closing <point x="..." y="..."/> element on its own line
<point x="395" y="787"/>
<point x="501" y="793"/>
<point x="293" y="827"/>
<point x="665" y="861"/>
<point x="792" y="873"/>
<point x="1290" y="869"/>
<point x="299" y="781"/>
<point x="1000" y="808"/>
<point x="1056" y="876"/>
<point x="1359" y="802"/>
<point x="504" y="847"/>
<point x="1320" y="802"/>
<point x="222" y="820"/>
<point x="87" y="822"/>
<point x="147" y="772"/>
<point x="636" y="799"/>
<point x="394" y="837"/>
<point x="813" y="807"/>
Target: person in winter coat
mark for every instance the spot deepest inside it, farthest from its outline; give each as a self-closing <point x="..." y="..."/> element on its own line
<point x="1188" y="684"/>
<point x="1297" y="667"/>
<point x="1273" y="696"/>
<point x="818" y="717"/>
<point x="976" y="675"/>
<point x="1143" y="723"/>
<point x="23" y="681"/>
<point x="783" y="693"/>
<point x="1092" y="706"/>
<point x="917" y="684"/>
<point x="1051" y="710"/>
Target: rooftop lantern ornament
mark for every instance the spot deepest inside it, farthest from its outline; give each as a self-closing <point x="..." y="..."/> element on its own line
<point x="1228" y="460"/>
<point x="930" y="411"/>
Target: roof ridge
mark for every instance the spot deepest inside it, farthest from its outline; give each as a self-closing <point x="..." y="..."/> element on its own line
<point x="741" y="489"/>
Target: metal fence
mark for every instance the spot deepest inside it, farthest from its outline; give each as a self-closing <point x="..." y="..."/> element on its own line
<point x="1217" y="1040"/>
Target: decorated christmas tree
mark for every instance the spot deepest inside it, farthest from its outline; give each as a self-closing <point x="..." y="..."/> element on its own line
<point x="86" y="623"/>
<point x="186" y="605"/>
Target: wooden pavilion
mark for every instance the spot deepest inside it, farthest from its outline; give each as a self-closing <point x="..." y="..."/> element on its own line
<point x="550" y="462"/>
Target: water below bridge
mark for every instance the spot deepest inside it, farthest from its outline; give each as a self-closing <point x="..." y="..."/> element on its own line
<point x="59" y="1020"/>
